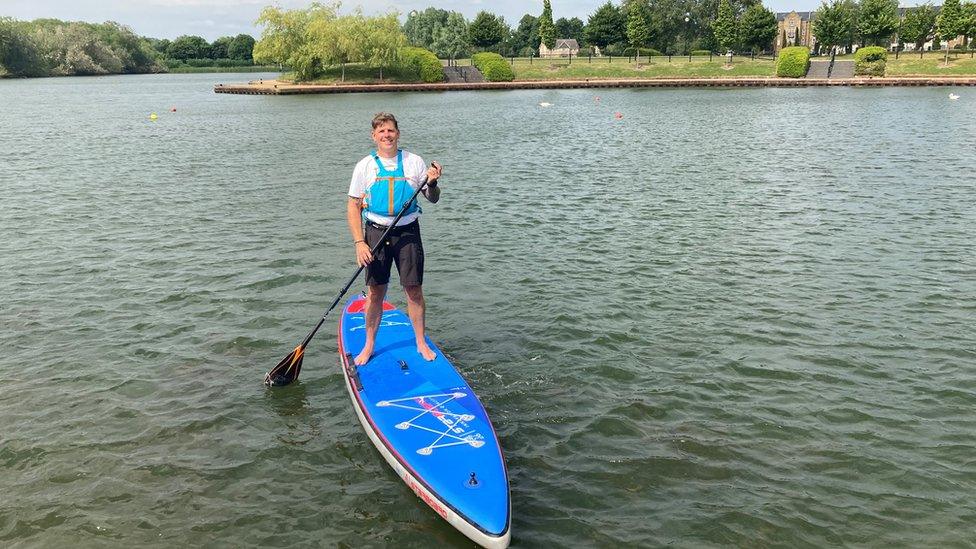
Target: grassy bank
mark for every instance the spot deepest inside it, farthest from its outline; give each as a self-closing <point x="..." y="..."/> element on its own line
<point x="624" y="68"/>
<point x="931" y="66"/>
<point x="654" y="67"/>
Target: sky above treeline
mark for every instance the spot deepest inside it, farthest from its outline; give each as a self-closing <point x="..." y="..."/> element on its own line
<point x="212" y="19"/>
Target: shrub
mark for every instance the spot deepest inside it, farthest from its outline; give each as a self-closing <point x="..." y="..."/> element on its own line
<point x="651" y="51"/>
<point x="493" y="66"/>
<point x="870" y="61"/>
<point x="701" y="53"/>
<point x="793" y="62"/>
<point x="423" y="63"/>
<point x="617" y="50"/>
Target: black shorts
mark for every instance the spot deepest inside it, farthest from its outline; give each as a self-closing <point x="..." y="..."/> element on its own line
<point x="403" y="247"/>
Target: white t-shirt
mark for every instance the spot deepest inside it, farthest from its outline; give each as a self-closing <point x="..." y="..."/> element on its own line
<point x="414" y="169"/>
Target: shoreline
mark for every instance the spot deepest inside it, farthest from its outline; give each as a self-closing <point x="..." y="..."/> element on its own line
<point x="275" y="87"/>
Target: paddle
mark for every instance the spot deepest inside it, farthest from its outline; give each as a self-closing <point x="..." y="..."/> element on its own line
<point x="288" y="369"/>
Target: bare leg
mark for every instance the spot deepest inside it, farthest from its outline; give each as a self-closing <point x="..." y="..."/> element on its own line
<point x="416" y="308"/>
<point x="374" y="313"/>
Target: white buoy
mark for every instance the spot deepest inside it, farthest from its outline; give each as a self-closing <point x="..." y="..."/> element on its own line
<point x="544" y="104"/>
<point x="953" y="96"/>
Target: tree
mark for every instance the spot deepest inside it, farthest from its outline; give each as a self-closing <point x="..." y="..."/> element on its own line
<point x="638" y="30"/>
<point x="160" y="45"/>
<point x="834" y="24"/>
<point x="605" y="26"/>
<point x="878" y="21"/>
<point x="486" y="30"/>
<point x="241" y="47"/>
<point x="451" y="39"/>
<point x="343" y="41"/>
<point x="667" y="22"/>
<point x="918" y="26"/>
<point x="218" y="48"/>
<point x="383" y="38"/>
<point x="951" y="23"/>
<point x="19" y="54"/>
<point x="300" y="39"/>
<point x="724" y="26"/>
<point x="547" y="30"/>
<point x="421" y="28"/>
<point x="188" y="47"/>
<point x="757" y="28"/>
<point x="570" y="28"/>
<point x="969" y="9"/>
<point x="526" y="36"/>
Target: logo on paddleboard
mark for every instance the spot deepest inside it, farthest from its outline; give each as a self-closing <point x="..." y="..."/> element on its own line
<point x="435" y="415"/>
<point x="383" y="322"/>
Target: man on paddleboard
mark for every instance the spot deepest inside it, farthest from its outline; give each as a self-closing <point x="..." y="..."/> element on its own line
<point x="382" y="183"/>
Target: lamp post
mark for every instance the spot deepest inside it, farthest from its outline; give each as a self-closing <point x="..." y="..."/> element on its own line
<point x="687" y="33"/>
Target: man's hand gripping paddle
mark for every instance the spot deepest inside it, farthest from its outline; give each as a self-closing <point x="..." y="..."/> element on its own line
<point x="288" y="369"/>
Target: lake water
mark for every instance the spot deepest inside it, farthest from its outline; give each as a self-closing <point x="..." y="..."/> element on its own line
<point x="728" y="318"/>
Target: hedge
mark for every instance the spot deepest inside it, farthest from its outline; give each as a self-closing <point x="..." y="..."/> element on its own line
<point x="700" y="53"/>
<point x="423" y="63"/>
<point x="793" y="62"/>
<point x="207" y="62"/>
<point x="870" y="61"/>
<point x="493" y="66"/>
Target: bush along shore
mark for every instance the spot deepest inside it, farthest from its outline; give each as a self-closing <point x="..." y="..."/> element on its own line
<point x="792" y="63"/>
<point x="50" y="47"/>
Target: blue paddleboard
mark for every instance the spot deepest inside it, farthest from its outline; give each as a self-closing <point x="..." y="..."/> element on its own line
<point x="428" y="424"/>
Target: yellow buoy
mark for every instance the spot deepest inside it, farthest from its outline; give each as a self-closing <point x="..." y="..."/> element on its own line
<point x="153" y="116"/>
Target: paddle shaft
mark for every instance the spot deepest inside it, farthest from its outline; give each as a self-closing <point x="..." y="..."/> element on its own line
<point x="372" y="252"/>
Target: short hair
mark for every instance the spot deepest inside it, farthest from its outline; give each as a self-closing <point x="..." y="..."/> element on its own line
<point x="384" y="117"/>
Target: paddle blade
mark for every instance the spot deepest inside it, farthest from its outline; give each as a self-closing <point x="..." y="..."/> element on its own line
<point x="287" y="370"/>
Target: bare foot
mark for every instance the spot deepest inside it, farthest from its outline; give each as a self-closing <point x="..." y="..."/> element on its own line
<point x="364" y="355"/>
<point x="426" y="352"/>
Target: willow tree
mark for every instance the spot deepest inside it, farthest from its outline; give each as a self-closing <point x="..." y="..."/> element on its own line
<point x="286" y="38"/>
<point x="309" y="40"/>
<point x="382" y="40"/>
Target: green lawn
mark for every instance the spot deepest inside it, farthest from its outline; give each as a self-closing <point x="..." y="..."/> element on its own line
<point x="656" y="67"/>
<point x="906" y="65"/>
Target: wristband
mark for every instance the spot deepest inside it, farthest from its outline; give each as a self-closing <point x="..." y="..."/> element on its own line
<point x="358" y="241"/>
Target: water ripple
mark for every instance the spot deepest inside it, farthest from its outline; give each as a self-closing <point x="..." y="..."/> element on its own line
<point x="733" y="317"/>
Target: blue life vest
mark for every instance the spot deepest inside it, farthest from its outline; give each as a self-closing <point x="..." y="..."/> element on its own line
<point x="390" y="191"/>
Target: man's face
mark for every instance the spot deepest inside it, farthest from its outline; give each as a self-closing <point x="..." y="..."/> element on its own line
<point x="385" y="136"/>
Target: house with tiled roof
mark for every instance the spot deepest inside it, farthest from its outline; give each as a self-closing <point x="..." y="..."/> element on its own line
<point x="564" y="47"/>
<point x="795" y="28"/>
